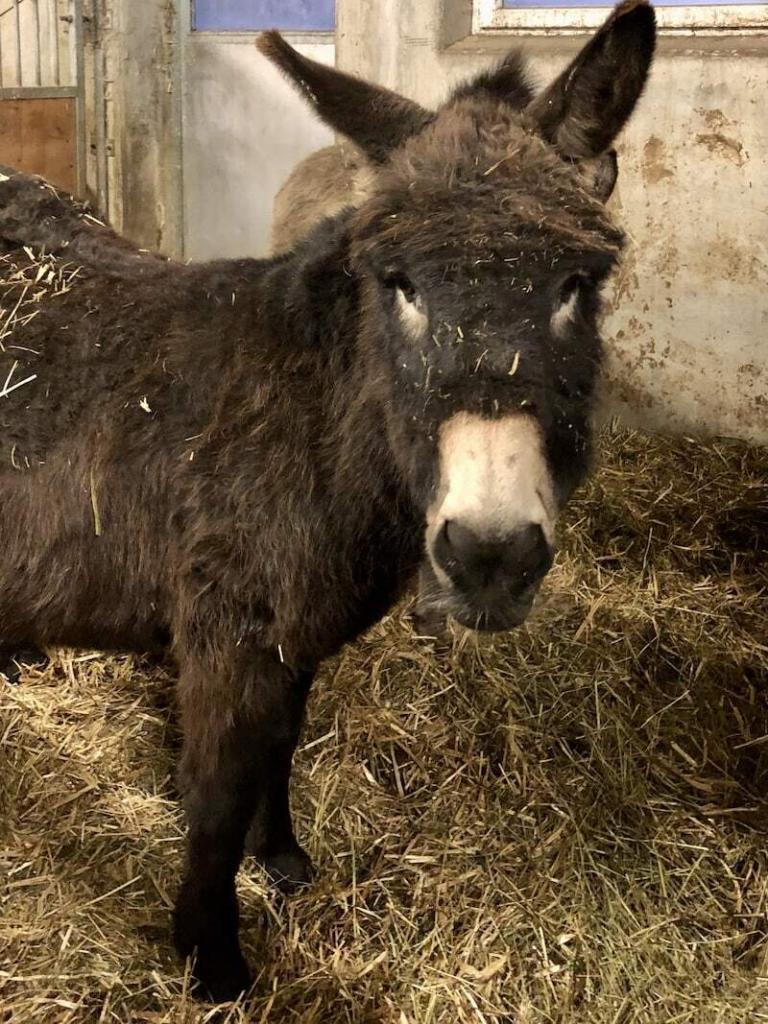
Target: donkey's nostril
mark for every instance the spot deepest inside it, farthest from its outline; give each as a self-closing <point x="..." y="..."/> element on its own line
<point x="531" y="552"/>
<point x="464" y="556"/>
<point x="462" y="542"/>
<point x="474" y="562"/>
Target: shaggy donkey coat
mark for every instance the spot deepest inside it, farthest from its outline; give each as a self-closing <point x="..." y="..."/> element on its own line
<point x="244" y="461"/>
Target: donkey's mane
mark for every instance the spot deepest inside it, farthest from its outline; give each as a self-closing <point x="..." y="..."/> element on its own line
<point x="508" y="81"/>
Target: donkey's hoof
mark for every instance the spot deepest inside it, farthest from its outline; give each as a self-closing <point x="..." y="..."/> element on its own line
<point x="219" y="971"/>
<point x="220" y="979"/>
<point x="12" y="661"/>
<point x="289" y="870"/>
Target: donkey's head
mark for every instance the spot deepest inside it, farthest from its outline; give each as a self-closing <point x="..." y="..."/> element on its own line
<point x="481" y="244"/>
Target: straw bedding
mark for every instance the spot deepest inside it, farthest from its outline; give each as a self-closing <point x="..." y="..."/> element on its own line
<point x="564" y="824"/>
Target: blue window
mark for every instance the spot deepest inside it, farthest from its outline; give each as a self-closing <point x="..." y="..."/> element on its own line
<point x="527" y="4"/>
<point x="246" y="15"/>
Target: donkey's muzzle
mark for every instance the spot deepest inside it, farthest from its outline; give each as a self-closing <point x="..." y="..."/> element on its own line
<point x="496" y="577"/>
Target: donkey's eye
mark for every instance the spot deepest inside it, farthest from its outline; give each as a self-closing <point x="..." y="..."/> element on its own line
<point x="396" y="280"/>
<point x="573" y="286"/>
<point x="407" y="302"/>
<point x="566" y="303"/>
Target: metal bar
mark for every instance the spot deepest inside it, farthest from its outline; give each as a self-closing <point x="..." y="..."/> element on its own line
<point x="18" y="43"/>
<point x="184" y="40"/>
<point x="38" y="45"/>
<point x="302" y="38"/>
<point x="54" y="8"/>
<point x="43" y="92"/>
<point x="80" y="114"/>
<point x="100" y="113"/>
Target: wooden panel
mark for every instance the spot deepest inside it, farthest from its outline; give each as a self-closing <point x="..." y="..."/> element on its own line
<point x="38" y="136"/>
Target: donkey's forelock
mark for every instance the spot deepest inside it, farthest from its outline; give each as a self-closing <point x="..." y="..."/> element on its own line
<point x="508" y="81"/>
<point x="476" y="178"/>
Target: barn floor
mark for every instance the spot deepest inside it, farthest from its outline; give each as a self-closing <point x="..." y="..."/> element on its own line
<point x="566" y="824"/>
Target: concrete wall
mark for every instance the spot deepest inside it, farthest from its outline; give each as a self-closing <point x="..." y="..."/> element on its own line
<point x="688" y="322"/>
<point x="201" y="131"/>
<point x="244" y="130"/>
<point x="137" y="45"/>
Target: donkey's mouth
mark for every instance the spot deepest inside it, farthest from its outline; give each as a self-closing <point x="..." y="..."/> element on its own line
<point x="493" y="619"/>
<point x="434" y="607"/>
<point x="492" y="609"/>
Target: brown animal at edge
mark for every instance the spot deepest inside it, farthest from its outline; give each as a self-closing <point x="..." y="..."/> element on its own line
<point x="244" y="461"/>
<point x="322" y="185"/>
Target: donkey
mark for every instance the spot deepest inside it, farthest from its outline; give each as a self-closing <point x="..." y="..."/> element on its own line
<point x="322" y="185"/>
<point x="244" y="461"/>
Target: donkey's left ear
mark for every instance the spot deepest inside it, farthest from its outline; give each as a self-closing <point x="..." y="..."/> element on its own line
<point x="584" y="109"/>
<point x="375" y="119"/>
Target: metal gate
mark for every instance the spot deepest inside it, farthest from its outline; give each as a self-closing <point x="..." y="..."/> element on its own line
<point x="42" y="90"/>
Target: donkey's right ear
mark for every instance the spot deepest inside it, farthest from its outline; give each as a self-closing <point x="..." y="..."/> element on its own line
<point x="584" y="109"/>
<point x="375" y="119"/>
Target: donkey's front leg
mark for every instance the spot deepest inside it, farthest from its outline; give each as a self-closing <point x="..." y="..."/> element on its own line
<point x="233" y="722"/>
<point x="271" y="838"/>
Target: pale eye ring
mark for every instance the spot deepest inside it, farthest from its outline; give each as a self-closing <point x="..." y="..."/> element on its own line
<point x="566" y="305"/>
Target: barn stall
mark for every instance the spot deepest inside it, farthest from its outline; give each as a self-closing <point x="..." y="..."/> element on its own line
<point x="566" y="823"/>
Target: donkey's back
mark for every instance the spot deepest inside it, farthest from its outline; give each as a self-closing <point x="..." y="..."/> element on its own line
<point x="114" y="364"/>
<point x="77" y="432"/>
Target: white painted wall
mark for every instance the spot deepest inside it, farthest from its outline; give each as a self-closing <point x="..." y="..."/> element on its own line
<point x="688" y="331"/>
<point x="244" y="129"/>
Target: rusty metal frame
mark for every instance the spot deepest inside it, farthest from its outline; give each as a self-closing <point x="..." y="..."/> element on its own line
<point x="701" y="20"/>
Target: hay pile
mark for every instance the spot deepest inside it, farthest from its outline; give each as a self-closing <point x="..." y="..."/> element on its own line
<point x="567" y="824"/>
<point x="27" y="278"/>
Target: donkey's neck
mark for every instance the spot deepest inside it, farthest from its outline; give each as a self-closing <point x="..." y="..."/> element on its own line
<point x="314" y="302"/>
<point x="366" y="533"/>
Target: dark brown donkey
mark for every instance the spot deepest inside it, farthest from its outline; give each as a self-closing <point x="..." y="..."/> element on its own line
<point x="245" y="460"/>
